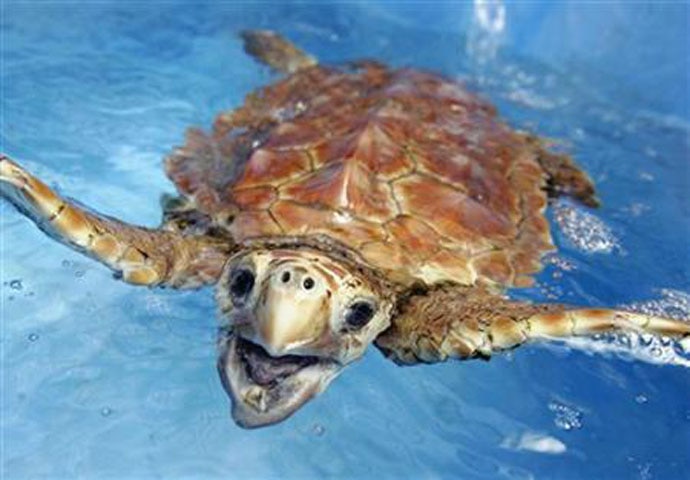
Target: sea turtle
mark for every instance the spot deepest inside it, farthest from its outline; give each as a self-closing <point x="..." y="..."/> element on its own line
<point x="343" y="206"/>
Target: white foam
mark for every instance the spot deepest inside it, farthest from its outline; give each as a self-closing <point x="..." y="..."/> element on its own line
<point x="584" y="230"/>
<point x="535" y="442"/>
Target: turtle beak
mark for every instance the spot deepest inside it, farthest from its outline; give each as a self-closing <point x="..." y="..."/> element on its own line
<point x="289" y="322"/>
<point x="264" y="389"/>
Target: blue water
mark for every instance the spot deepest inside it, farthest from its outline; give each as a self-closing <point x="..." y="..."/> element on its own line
<point x="104" y="380"/>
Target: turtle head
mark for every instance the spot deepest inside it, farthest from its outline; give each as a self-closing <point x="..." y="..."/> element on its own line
<point x="295" y="319"/>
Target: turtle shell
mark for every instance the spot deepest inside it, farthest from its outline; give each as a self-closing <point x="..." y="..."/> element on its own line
<point x="407" y="168"/>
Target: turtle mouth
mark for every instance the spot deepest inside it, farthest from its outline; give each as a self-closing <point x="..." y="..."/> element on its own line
<point x="265" y="389"/>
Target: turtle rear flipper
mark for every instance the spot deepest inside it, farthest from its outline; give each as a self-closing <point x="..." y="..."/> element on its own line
<point x="563" y="175"/>
<point x="275" y="51"/>
<point x="140" y="255"/>
<point x="465" y="323"/>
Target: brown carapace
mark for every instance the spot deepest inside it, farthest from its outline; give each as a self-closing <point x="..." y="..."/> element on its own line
<point x="342" y="206"/>
<point x="407" y="168"/>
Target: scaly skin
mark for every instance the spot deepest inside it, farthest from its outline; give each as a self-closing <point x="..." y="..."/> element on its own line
<point x="141" y="256"/>
<point x="463" y="323"/>
<point x="275" y="51"/>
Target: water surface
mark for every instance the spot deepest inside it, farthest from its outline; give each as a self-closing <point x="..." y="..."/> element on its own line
<point x="105" y="380"/>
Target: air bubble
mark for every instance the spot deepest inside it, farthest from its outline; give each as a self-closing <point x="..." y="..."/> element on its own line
<point x="106" y="411"/>
<point x="622" y="340"/>
<point x="645" y="471"/>
<point x="641" y="398"/>
<point x="551" y="292"/>
<point x="650" y="152"/>
<point x="156" y="305"/>
<point x="318" y="430"/>
<point x="649" y="348"/>
<point x="567" y="417"/>
<point x="561" y="263"/>
<point x="636" y="209"/>
<point x="673" y="304"/>
<point x="33" y="337"/>
<point x="16" y="284"/>
<point x="584" y="230"/>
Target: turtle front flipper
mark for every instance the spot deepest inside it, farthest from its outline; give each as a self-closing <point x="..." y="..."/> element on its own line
<point x="141" y="256"/>
<point x="275" y="51"/>
<point x="465" y="322"/>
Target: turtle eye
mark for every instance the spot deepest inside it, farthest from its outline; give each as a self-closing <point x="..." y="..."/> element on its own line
<point x="359" y="314"/>
<point x="241" y="283"/>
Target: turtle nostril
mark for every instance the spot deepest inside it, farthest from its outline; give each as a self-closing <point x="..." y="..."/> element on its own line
<point x="308" y="283"/>
<point x="285" y="277"/>
<point x="241" y="283"/>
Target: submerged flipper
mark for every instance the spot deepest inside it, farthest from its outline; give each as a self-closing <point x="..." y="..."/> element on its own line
<point x="563" y="175"/>
<point x="463" y="323"/>
<point x="140" y="255"/>
<point x="275" y="51"/>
